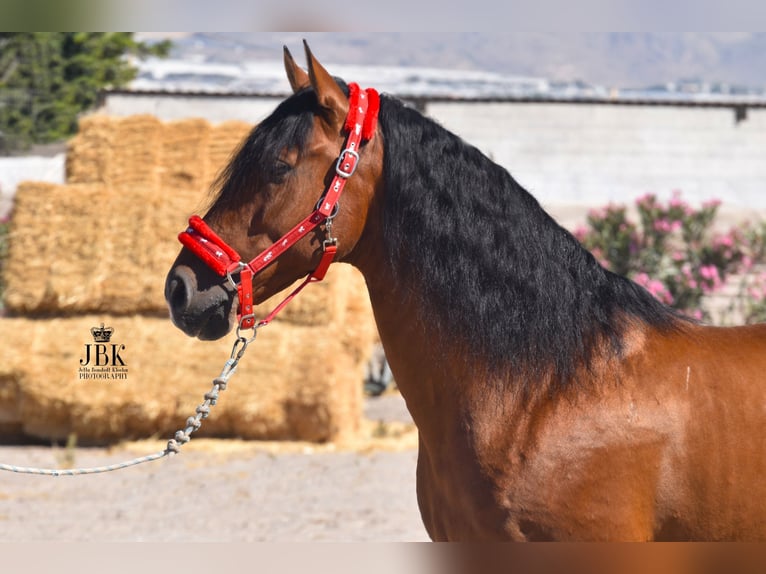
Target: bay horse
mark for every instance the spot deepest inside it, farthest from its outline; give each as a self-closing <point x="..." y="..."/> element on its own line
<point x="554" y="399"/>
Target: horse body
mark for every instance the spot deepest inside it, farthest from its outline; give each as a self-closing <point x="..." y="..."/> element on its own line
<point x="661" y="444"/>
<point x="554" y="400"/>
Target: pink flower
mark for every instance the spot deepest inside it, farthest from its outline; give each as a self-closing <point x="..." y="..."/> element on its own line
<point x="655" y="287"/>
<point x="691" y="281"/>
<point x="597" y="213"/>
<point x="711" y="204"/>
<point x="712" y="279"/>
<point x="641" y="278"/>
<point x="580" y="233"/>
<point x="709" y="272"/>
<point x="723" y="240"/>
<point x="662" y="225"/>
<point x="666" y="226"/>
<point x="676" y="202"/>
<point x="756" y="293"/>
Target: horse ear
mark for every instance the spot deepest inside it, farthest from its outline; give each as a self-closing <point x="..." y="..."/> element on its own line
<point x="332" y="100"/>
<point x="296" y="76"/>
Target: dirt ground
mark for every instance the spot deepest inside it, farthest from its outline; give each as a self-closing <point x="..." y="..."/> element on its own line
<point x="224" y="491"/>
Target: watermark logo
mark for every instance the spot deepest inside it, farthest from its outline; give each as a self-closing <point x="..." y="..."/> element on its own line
<point x="104" y="360"/>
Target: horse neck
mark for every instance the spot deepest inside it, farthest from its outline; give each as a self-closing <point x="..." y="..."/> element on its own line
<point x="434" y="374"/>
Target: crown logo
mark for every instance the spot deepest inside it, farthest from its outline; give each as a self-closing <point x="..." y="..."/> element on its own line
<point x="102" y="334"/>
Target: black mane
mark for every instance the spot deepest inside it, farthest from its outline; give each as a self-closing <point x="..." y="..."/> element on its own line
<point x="491" y="266"/>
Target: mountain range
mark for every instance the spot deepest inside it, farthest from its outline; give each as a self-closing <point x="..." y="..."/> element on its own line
<point x="619" y="60"/>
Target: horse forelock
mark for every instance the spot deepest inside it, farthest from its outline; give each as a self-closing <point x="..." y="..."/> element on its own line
<point x="493" y="269"/>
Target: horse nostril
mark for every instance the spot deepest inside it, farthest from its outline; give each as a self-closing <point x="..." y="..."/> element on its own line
<point x="177" y="294"/>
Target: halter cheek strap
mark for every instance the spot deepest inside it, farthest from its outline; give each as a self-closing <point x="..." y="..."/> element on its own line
<point x="201" y="240"/>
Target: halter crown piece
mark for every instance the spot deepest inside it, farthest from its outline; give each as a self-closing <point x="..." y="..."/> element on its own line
<point x="225" y="261"/>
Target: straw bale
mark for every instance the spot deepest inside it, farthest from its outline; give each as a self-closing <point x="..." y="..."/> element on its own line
<point x="9" y="400"/>
<point x="90" y="248"/>
<point x="136" y="153"/>
<point x="90" y="152"/>
<point x="323" y="303"/>
<point x="295" y="382"/>
<point x="225" y="139"/>
<point x="183" y="162"/>
<point x="117" y="152"/>
<point x="143" y="151"/>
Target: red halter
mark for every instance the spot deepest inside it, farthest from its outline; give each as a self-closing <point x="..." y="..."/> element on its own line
<point x="224" y="260"/>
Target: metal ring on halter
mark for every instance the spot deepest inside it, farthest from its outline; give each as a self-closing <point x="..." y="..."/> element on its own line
<point x="334" y="212"/>
<point x="254" y="328"/>
<point x="240" y="267"/>
<point x="339" y="170"/>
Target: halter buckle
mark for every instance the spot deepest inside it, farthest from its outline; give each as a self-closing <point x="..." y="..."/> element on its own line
<point x="342" y="170"/>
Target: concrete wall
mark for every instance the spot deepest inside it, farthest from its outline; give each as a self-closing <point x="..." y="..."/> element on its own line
<point x="591" y="154"/>
<point x="169" y="107"/>
<point x="14" y="170"/>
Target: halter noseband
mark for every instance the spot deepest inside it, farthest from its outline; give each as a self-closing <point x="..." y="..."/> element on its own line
<point x="225" y="261"/>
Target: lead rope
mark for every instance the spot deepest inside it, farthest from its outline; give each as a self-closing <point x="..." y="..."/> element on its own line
<point x="179" y="439"/>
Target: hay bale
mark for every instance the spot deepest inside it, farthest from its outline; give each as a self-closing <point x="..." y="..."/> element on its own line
<point x="141" y="150"/>
<point x="116" y="152"/>
<point x="184" y="158"/>
<point x="225" y="139"/>
<point x="136" y="153"/>
<point x="88" y="248"/>
<point x="277" y="393"/>
<point x="91" y="249"/>
<point x="10" y="424"/>
<point x="89" y="153"/>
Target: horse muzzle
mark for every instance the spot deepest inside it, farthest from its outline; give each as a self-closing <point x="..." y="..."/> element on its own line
<point x="205" y="313"/>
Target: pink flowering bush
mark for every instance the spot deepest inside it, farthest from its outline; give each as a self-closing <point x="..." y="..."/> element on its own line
<point x="751" y="303"/>
<point x="673" y="252"/>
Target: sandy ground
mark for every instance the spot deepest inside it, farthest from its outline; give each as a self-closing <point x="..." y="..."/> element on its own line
<point x="225" y="491"/>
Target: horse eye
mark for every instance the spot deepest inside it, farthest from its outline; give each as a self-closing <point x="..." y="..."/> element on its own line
<point x="279" y="170"/>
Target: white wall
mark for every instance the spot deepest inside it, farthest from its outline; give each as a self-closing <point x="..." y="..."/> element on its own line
<point x="14" y="170"/>
<point x="583" y="154"/>
<point x="169" y="107"/>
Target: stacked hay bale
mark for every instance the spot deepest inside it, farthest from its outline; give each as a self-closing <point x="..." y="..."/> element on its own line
<point x="96" y="250"/>
<point x="224" y="140"/>
<point x="184" y="157"/>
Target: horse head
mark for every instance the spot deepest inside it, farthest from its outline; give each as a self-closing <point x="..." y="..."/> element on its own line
<point x="276" y="181"/>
